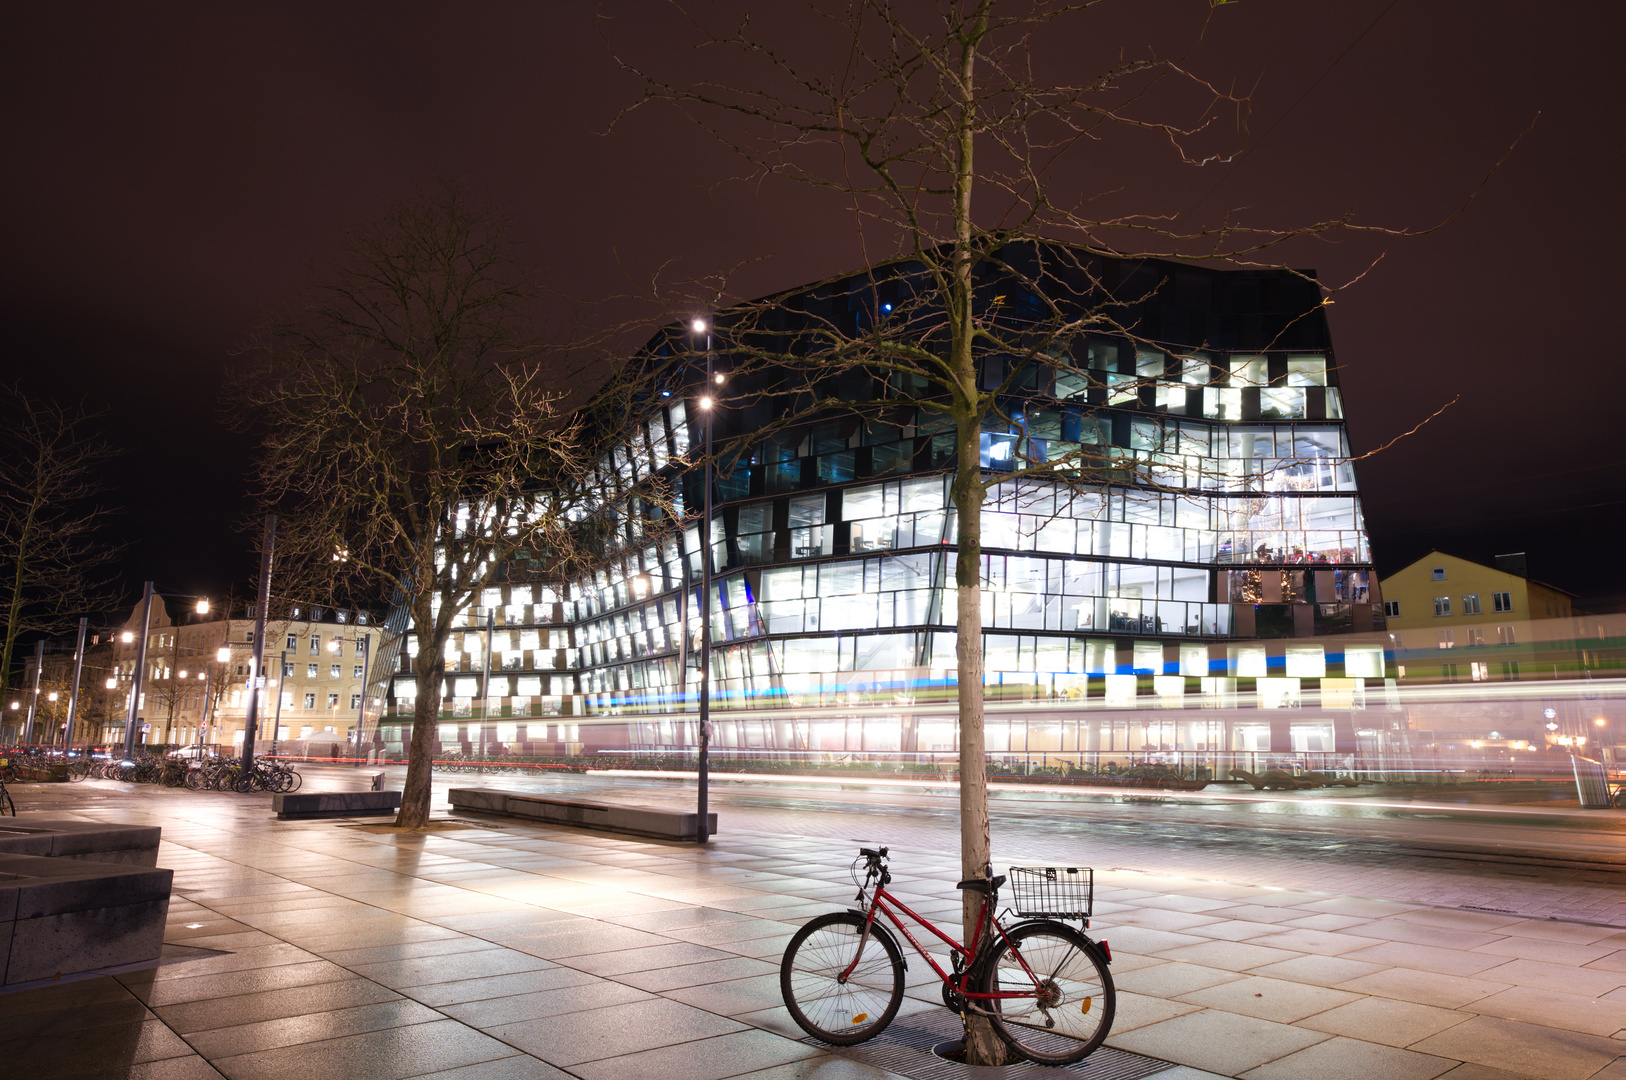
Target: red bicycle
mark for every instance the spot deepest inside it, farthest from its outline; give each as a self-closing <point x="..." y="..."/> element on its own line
<point x="1043" y="985"/>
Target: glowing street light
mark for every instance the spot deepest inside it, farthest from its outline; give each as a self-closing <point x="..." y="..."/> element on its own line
<point x="127" y="637"/>
<point x="203" y="605"/>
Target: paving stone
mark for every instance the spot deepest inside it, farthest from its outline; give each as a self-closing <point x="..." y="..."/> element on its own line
<point x="1228" y="955"/>
<point x="379" y="1055"/>
<point x="1217" y="1041"/>
<point x="708" y="1059"/>
<point x="1523" y="1049"/>
<point x="1552" y="1009"/>
<point x="1350" y="1059"/>
<point x="617" y="1030"/>
<point x="1384" y="1020"/>
<point x="1172" y="979"/>
<point x="1585" y="981"/>
<point x="1426" y="958"/>
<point x="1269" y="999"/>
<point x="1552" y="952"/>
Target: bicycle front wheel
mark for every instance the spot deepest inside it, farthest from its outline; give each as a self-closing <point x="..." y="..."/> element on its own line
<point x="1066" y="999"/>
<point x="823" y="1004"/>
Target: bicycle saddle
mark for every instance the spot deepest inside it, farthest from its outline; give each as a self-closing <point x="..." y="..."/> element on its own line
<point x="979" y="885"/>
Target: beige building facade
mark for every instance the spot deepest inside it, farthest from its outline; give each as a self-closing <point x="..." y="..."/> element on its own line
<point x="1459" y="621"/>
<point x="199" y="673"/>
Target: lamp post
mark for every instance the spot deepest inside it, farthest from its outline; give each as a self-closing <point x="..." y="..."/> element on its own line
<point x="257" y="672"/>
<point x="34" y="698"/>
<point x="73" y="694"/>
<point x="282" y="680"/>
<point x="703" y="326"/>
<point x="134" y="704"/>
<point x="485" y="680"/>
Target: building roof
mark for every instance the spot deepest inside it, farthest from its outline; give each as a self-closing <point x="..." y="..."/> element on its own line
<point x="1492" y="569"/>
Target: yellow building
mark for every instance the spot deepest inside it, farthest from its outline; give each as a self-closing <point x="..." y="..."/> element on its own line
<point x="1454" y="620"/>
<point x="198" y="673"/>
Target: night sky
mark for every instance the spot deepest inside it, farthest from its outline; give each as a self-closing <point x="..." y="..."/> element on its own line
<point x="173" y="173"/>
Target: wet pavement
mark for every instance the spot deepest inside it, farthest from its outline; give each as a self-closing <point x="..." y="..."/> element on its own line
<point x="505" y="950"/>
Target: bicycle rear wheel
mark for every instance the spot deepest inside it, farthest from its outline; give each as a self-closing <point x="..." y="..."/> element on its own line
<point x="1069" y="1012"/>
<point x="842" y="1013"/>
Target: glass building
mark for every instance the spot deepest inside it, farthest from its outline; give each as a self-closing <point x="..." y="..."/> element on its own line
<point x="1213" y="556"/>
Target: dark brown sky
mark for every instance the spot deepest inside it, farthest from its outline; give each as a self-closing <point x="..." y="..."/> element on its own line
<point x="170" y="173"/>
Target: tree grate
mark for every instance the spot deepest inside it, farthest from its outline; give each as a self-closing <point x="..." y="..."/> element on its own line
<point x="905" y="1048"/>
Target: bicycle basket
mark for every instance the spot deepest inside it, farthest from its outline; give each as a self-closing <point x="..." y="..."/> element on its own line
<point x="1050" y="892"/>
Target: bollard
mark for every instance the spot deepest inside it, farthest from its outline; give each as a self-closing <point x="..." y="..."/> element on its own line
<point x="378" y="781"/>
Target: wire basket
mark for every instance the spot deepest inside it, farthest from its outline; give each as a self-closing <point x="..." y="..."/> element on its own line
<point x="1052" y="892"/>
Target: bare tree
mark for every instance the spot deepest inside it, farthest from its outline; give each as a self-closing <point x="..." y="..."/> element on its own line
<point x="956" y="142"/>
<point x="54" y="558"/>
<point x="410" y="430"/>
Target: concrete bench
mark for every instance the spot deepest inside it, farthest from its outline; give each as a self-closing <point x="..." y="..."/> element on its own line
<point x="318" y="804"/>
<point x="652" y="821"/>
<point x="93" y="841"/>
<point x="78" y="896"/>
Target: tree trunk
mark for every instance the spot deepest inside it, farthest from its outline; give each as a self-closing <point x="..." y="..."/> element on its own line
<point x="414" y="813"/>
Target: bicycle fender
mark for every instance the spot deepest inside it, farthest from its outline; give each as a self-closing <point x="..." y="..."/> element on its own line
<point x="1099" y="949"/>
<point x="878" y="929"/>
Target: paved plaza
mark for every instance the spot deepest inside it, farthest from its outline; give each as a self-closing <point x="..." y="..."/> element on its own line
<point x="505" y="951"/>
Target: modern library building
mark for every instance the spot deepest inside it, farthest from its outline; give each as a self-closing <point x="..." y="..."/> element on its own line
<point x="1213" y="556"/>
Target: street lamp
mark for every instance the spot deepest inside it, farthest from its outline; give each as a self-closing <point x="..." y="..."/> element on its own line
<point x="701" y="326"/>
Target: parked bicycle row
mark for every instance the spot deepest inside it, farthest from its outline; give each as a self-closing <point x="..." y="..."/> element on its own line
<point x="189" y="771"/>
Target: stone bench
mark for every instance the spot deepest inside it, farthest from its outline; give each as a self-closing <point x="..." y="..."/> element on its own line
<point x="93" y="841"/>
<point x="652" y="821"/>
<point x="78" y="896"/>
<point x="319" y="804"/>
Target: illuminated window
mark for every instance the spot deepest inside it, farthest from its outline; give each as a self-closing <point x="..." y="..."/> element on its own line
<point x="1363" y="662"/>
<point x="1306" y="661"/>
<point x="1448" y="639"/>
<point x="310" y="701"/>
<point x="1505" y="636"/>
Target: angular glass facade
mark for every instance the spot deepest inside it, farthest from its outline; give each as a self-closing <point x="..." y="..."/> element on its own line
<point x="1223" y="510"/>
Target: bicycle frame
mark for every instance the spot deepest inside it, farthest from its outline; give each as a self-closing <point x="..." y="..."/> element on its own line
<point x="987" y="922"/>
